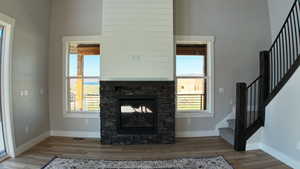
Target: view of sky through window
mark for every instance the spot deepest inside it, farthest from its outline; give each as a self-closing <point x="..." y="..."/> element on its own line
<point x="186" y="65"/>
<point x="73" y="65"/>
<point x="1" y="32"/>
<point x="190" y="65"/>
<point x="91" y="65"/>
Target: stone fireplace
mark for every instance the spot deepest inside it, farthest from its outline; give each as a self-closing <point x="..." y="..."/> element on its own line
<point x="137" y="112"/>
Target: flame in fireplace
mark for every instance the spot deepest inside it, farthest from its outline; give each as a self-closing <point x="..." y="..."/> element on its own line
<point x="129" y="109"/>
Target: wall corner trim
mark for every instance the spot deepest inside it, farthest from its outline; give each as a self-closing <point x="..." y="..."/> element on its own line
<point x="281" y="156"/>
<point x="274" y="153"/>
<point x="26" y="146"/>
<point x="253" y="146"/>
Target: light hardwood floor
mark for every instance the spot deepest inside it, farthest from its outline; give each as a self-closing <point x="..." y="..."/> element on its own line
<point x="185" y="147"/>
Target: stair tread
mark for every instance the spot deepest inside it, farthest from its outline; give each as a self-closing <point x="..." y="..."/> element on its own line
<point x="227" y="134"/>
<point x="231" y="123"/>
<point x="230" y="120"/>
<point x="227" y="129"/>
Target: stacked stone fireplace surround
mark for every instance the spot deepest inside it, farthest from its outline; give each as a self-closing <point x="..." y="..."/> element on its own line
<point x="163" y="92"/>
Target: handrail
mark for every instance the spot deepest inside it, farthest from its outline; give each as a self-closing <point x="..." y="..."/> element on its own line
<point x="257" y="79"/>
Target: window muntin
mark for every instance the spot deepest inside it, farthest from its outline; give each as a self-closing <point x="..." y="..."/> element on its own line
<point x="191" y="78"/>
<point x="83" y="77"/>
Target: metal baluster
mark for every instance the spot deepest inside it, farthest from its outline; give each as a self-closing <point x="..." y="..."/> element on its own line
<point x="286" y="53"/>
<point x="290" y="44"/>
<point x="277" y="63"/>
<point x="274" y="68"/>
<point x="280" y="56"/>
<point x="255" y="100"/>
<point x="297" y="32"/>
<point x="295" y="36"/>
<point x="251" y="103"/>
<point x="271" y="70"/>
<point x="248" y="107"/>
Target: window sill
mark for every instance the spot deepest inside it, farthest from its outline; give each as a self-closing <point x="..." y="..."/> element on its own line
<point x="82" y="115"/>
<point x="199" y="114"/>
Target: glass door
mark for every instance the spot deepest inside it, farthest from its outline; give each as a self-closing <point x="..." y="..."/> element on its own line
<point x="2" y="140"/>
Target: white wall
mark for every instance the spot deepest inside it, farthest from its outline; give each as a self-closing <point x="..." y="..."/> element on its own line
<point x="29" y="66"/>
<point x="242" y="30"/>
<point x="138" y="40"/>
<point x="69" y="18"/>
<point x="281" y="134"/>
<point x="278" y="11"/>
<point x="282" y="121"/>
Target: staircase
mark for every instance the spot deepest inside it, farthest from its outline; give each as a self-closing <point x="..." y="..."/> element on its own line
<point x="277" y="66"/>
<point x="228" y="132"/>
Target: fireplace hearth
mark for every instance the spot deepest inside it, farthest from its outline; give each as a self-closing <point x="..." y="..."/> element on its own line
<point x="137" y="112"/>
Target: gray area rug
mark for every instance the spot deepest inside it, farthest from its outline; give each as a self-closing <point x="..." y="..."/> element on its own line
<point x="185" y="163"/>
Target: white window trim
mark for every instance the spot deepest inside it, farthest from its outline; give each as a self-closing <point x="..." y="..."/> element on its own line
<point x="6" y="90"/>
<point x="210" y="41"/>
<point x="66" y="41"/>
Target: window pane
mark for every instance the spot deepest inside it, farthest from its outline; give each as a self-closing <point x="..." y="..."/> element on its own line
<point x="73" y="64"/>
<point x="83" y="95"/>
<point x="75" y="94"/>
<point x="92" y="65"/>
<point x="91" y="95"/>
<point x="83" y="77"/>
<point x="190" y="65"/>
<point x="1" y="38"/>
<point x="190" y="86"/>
<point x="1" y="32"/>
<point x="191" y="94"/>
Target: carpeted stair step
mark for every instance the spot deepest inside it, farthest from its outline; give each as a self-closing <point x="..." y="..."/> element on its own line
<point x="227" y="134"/>
<point x="231" y="123"/>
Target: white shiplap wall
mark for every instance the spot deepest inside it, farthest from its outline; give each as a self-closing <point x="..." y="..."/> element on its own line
<point x="138" y="40"/>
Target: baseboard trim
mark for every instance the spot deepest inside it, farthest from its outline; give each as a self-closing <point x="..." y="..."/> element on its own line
<point x="253" y="146"/>
<point x="208" y="133"/>
<point x="76" y="134"/>
<point x="26" y="146"/>
<point x="280" y="156"/>
<point x="85" y="134"/>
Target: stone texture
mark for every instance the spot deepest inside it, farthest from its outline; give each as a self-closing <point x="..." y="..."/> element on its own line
<point x="164" y="91"/>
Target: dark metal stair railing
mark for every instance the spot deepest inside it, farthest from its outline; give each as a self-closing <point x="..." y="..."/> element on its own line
<point x="284" y="53"/>
<point x="277" y="65"/>
<point x="247" y="112"/>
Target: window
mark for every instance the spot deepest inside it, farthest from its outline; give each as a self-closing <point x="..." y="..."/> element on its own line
<point x="7" y="25"/>
<point x="2" y="143"/>
<point x="191" y="77"/>
<point x="82" y="78"/>
<point x="194" y="76"/>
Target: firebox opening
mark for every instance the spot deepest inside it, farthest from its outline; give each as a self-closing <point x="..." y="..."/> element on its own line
<point x="138" y="115"/>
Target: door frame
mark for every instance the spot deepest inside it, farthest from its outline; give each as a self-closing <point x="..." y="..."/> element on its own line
<point x="6" y="83"/>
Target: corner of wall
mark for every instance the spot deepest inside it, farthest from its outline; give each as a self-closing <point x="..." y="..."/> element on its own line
<point x="26" y="146"/>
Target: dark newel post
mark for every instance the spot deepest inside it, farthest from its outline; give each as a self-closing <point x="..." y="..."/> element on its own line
<point x="265" y="83"/>
<point x="241" y="117"/>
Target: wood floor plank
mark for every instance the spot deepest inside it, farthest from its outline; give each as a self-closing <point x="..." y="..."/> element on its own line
<point x="39" y="155"/>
